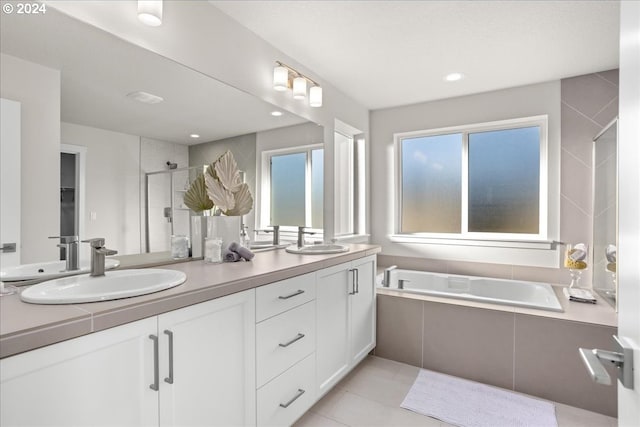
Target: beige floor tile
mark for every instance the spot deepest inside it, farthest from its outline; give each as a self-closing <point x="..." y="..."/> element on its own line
<point x="403" y="417"/>
<point x="569" y="416"/>
<point x="311" y="419"/>
<point x="354" y="410"/>
<point x="326" y="404"/>
<point x="372" y="393"/>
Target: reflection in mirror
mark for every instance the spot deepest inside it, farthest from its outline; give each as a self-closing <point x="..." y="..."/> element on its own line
<point x="605" y="212"/>
<point x="116" y="137"/>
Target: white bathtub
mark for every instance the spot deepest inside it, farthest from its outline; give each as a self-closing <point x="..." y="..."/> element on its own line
<point x="482" y="289"/>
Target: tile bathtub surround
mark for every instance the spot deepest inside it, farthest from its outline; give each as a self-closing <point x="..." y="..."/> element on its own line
<point x="371" y="395"/>
<point x="514" y="350"/>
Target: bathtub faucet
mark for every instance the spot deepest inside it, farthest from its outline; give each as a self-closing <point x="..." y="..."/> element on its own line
<point x="386" y="282"/>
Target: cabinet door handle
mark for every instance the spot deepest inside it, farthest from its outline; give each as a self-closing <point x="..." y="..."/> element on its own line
<point x="299" y="393"/>
<point x="156" y="374"/>
<point x="298" y="292"/>
<point x="357" y="280"/>
<point x="353" y="281"/>
<point x="297" y="338"/>
<point x="169" y="379"/>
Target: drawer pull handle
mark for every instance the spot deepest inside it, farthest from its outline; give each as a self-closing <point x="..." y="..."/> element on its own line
<point x="297" y="338"/>
<point x="293" y="399"/>
<point x="298" y="292"/>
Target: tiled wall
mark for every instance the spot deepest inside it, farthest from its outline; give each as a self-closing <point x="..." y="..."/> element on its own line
<point x="529" y="354"/>
<point x="589" y="103"/>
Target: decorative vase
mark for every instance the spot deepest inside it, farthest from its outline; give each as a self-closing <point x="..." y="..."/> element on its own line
<point x="226" y="228"/>
<point x="199" y="226"/>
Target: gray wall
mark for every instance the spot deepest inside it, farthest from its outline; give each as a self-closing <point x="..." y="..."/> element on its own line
<point x="243" y="148"/>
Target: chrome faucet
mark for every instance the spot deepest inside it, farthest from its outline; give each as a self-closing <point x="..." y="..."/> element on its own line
<point x="276" y="234"/>
<point x="98" y="252"/>
<point x="70" y="246"/>
<point x="387" y="276"/>
<point x="301" y="234"/>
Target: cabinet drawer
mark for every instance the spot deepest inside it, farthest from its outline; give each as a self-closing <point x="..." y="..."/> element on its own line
<point x="280" y="296"/>
<point x="282" y="401"/>
<point x="283" y="340"/>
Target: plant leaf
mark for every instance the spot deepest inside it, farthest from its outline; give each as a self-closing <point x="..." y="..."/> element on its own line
<point x="220" y="196"/>
<point x="196" y="197"/>
<point x="227" y="170"/>
<point x="244" y="202"/>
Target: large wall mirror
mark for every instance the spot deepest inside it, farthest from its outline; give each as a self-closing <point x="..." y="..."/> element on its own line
<point x="605" y="212"/>
<point x="125" y="158"/>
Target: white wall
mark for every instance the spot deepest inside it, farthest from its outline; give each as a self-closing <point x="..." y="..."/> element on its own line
<point x="234" y="55"/>
<point x="112" y="186"/>
<point x="629" y="203"/>
<point x="37" y="88"/>
<point x="491" y="106"/>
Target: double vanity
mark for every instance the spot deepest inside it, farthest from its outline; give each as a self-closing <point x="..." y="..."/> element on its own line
<point x="248" y="343"/>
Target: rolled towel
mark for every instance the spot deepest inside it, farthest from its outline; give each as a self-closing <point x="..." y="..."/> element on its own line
<point x="242" y="251"/>
<point x="611" y="252"/>
<point x="230" y="256"/>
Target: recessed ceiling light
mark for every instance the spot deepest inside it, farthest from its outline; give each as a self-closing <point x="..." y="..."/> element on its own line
<point x="145" y="98"/>
<point x="453" y="77"/>
<point x="276" y="113"/>
<point x="194" y="136"/>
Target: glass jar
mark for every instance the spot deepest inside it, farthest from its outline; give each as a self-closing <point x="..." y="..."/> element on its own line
<point x="179" y="247"/>
<point x="213" y="249"/>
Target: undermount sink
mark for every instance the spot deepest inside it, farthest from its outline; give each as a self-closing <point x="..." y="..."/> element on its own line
<point x="330" y="248"/>
<point x="48" y="270"/>
<point x="113" y="285"/>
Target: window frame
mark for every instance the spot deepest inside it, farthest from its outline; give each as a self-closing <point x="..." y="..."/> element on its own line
<point x="466" y="236"/>
<point x="265" y="196"/>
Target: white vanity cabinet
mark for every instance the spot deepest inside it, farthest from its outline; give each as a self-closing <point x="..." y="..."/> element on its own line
<point x="101" y="379"/>
<point x="207" y="363"/>
<point x="285" y="350"/>
<point x="124" y="376"/>
<point x="345" y="306"/>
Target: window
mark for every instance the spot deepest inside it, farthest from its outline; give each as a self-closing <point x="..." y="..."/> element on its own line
<point x="485" y="181"/>
<point x="295" y="187"/>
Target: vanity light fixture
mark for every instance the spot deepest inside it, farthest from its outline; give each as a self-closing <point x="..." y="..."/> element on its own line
<point x="145" y="97"/>
<point x="285" y="77"/>
<point x="453" y="77"/>
<point x="150" y="12"/>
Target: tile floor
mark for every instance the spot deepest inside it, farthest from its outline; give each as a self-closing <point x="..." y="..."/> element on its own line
<point x="372" y="393"/>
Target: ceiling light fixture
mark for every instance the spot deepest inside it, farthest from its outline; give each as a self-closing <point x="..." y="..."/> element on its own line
<point x="145" y="98"/>
<point x="194" y="136"/>
<point x="454" y="77"/>
<point x="285" y="77"/>
<point x="276" y="113"/>
<point x="150" y="12"/>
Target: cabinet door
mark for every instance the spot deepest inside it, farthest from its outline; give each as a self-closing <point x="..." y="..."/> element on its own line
<point x="332" y="308"/>
<point x="363" y="305"/>
<point x="101" y="379"/>
<point x="213" y="377"/>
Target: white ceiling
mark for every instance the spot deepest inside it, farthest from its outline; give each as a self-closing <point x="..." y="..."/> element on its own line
<point x="390" y="53"/>
<point x="98" y="70"/>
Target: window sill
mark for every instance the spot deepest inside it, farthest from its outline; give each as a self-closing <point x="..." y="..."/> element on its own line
<point x="353" y="238"/>
<point x="520" y="244"/>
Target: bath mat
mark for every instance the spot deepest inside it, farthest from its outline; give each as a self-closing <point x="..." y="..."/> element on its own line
<point x="470" y="404"/>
